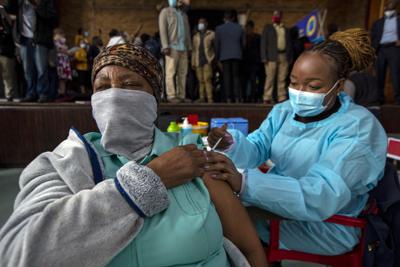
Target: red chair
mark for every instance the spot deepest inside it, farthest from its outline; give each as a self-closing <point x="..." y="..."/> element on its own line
<point x="394" y="149"/>
<point x="351" y="259"/>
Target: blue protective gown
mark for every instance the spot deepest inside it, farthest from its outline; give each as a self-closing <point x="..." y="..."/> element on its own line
<point x="321" y="169"/>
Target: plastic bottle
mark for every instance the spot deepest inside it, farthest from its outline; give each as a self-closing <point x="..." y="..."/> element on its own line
<point x="186" y="127"/>
<point x="173" y="127"/>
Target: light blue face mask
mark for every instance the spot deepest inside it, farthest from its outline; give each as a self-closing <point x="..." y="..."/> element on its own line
<point x="172" y="3"/>
<point x="307" y="104"/>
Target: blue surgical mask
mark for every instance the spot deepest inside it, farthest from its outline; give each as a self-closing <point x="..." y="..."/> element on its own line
<point x="307" y="104"/>
<point x="172" y="3"/>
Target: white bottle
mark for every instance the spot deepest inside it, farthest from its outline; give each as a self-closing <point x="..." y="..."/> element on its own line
<point x="186" y="127"/>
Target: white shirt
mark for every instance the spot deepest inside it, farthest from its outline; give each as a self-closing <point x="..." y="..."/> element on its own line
<point x="390" y="30"/>
<point x="28" y="19"/>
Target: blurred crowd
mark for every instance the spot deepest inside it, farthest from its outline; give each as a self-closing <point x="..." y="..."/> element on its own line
<point x="229" y="64"/>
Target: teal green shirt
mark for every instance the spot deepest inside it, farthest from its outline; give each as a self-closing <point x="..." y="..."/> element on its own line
<point x="188" y="233"/>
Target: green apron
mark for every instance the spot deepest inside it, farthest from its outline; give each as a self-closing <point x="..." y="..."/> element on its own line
<point x="187" y="233"/>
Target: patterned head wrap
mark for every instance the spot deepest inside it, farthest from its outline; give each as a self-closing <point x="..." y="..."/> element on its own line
<point x="134" y="58"/>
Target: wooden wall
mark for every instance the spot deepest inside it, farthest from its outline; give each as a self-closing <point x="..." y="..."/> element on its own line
<point x="30" y="129"/>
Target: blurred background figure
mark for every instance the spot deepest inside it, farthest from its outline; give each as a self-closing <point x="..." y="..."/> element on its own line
<point x="203" y="56"/>
<point x="229" y="41"/>
<point x="79" y="37"/>
<point x="385" y="34"/>
<point x="176" y="46"/>
<point x="362" y="87"/>
<point x="94" y="50"/>
<point x="277" y="54"/>
<point x="251" y="64"/>
<point x="63" y="65"/>
<point x="35" y="22"/>
<point x="7" y="57"/>
<point x="115" y="38"/>
<point x="82" y="68"/>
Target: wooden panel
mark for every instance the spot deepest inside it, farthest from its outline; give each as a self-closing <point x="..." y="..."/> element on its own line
<point x="30" y="129"/>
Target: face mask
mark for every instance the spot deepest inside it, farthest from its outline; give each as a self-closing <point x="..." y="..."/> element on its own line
<point x="201" y="26"/>
<point x="126" y="120"/>
<point x="83" y="45"/>
<point x="276" y="19"/>
<point x="306" y="104"/>
<point x="172" y="3"/>
<point x="389" y="13"/>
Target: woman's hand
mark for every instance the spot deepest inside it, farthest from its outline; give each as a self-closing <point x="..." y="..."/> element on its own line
<point x="179" y="165"/>
<point x="217" y="133"/>
<point x="221" y="167"/>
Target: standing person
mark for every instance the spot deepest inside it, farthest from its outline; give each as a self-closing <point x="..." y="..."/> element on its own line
<point x="79" y="37"/>
<point x="251" y="63"/>
<point x="203" y="56"/>
<point x="94" y="50"/>
<point x="386" y="40"/>
<point x="229" y="39"/>
<point x="64" y="70"/>
<point x="115" y="38"/>
<point x="276" y="54"/>
<point x="176" y="45"/>
<point x="82" y="67"/>
<point x="34" y="30"/>
<point x="7" y="57"/>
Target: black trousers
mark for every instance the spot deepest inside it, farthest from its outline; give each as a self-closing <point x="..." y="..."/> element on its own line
<point x="231" y="76"/>
<point x="388" y="56"/>
<point x="250" y="88"/>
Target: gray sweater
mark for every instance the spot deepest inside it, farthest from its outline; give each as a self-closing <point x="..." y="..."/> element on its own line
<point x="59" y="215"/>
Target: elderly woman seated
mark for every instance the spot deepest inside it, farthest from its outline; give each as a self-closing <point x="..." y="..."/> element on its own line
<point x="129" y="195"/>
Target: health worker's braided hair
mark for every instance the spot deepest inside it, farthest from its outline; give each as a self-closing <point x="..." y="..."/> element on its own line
<point x="351" y="50"/>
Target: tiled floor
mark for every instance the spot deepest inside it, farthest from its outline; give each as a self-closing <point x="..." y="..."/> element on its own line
<point x="8" y="191"/>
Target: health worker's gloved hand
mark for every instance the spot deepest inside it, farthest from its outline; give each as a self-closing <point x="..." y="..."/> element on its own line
<point x="217" y="133"/>
<point x="220" y="167"/>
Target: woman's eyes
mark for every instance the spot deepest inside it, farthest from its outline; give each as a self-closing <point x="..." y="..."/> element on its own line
<point x="131" y="84"/>
<point x="102" y="87"/>
<point x="315" y="87"/>
<point x="311" y="87"/>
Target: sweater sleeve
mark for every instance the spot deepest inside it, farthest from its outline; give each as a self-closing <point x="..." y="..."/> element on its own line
<point x="61" y="218"/>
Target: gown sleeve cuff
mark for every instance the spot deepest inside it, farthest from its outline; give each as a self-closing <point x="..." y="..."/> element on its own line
<point x="142" y="189"/>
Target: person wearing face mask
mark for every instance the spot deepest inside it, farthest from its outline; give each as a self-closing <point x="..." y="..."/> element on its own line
<point x="276" y="54"/>
<point x="328" y="152"/>
<point x="128" y="195"/>
<point x="203" y="56"/>
<point x="385" y="35"/>
<point x="176" y="46"/>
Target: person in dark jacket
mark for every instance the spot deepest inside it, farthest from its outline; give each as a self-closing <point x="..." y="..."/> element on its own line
<point x="385" y="34"/>
<point x="35" y="23"/>
<point x="276" y="53"/>
<point x="229" y="39"/>
<point x="7" y="56"/>
<point x="251" y="63"/>
<point x="94" y="50"/>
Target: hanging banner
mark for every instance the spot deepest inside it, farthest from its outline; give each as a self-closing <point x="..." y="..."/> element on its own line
<point x="312" y="26"/>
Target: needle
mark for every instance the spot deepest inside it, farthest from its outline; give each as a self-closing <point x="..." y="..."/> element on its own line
<point x="216" y="144"/>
